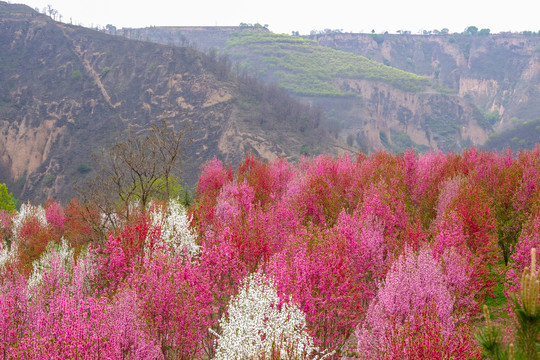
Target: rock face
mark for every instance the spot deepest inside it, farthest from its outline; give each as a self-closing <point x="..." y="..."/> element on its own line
<point x="388" y="118"/>
<point x="495" y="72"/>
<point x="67" y="91"/>
<point x="378" y="115"/>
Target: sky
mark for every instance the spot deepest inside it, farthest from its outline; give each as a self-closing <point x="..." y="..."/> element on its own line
<point x="285" y="16"/>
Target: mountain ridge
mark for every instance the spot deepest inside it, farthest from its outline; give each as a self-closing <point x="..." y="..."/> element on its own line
<point x="68" y="91"/>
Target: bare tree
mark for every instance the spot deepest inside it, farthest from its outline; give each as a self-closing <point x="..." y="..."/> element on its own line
<point x="169" y="146"/>
<point x="135" y="171"/>
<point x="50" y="10"/>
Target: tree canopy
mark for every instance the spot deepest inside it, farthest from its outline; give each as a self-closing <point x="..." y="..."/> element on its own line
<point x="7" y="201"/>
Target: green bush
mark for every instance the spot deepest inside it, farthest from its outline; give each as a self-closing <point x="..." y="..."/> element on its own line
<point x="84" y="168"/>
<point x="105" y="71"/>
<point x="49" y="179"/>
<point x="76" y="75"/>
<point x="7" y="202"/>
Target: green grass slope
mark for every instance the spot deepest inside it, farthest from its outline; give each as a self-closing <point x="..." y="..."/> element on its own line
<point x="304" y="67"/>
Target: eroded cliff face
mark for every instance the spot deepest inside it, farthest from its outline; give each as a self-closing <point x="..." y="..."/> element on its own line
<point x="68" y="91"/>
<point x="496" y="72"/>
<point x="383" y="117"/>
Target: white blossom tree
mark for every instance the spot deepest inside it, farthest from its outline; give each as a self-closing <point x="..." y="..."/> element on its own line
<point x="59" y="255"/>
<point x="175" y="230"/>
<point x="258" y="324"/>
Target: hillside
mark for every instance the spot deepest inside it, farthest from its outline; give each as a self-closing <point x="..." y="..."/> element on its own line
<point x="518" y="137"/>
<point x="500" y="73"/>
<point x="304" y="68"/>
<point x="369" y="104"/>
<point x="67" y="91"/>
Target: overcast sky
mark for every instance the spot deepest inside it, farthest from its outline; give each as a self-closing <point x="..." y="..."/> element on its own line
<point x="284" y="16"/>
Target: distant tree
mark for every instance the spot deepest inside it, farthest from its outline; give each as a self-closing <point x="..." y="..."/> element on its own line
<point x="333" y="31"/>
<point x="445" y="31"/>
<point x="295" y="33"/>
<point x="50" y="10"/>
<point x="484" y="32"/>
<point x="471" y="30"/>
<point x="256" y="25"/>
<point x="111" y="28"/>
<point x="7" y="202"/>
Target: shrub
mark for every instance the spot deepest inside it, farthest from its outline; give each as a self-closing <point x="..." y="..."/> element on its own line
<point x="84" y="168"/>
<point x="76" y="75"/>
<point x="422" y="336"/>
<point x="521" y="259"/>
<point x="174" y="228"/>
<point x="54" y="214"/>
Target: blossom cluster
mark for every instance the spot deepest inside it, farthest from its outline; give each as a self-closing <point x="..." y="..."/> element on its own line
<point x="258" y="322"/>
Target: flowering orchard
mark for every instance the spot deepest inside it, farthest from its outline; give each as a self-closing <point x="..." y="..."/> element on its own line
<point x="374" y="257"/>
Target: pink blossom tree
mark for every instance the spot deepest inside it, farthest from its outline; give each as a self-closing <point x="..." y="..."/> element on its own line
<point x="415" y="280"/>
